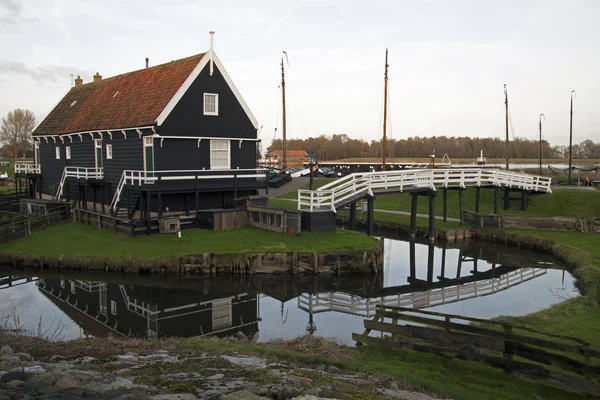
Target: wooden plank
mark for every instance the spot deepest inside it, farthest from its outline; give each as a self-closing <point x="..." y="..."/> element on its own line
<point x="581" y="350"/>
<point x="487" y="343"/>
<point x="568" y="382"/>
<point x="486" y="321"/>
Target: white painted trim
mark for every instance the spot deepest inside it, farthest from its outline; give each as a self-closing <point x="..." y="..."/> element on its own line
<point x="68" y="152"/>
<point x="192" y="77"/>
<point x="216" y="112"/>
<point x="228" y="167"/>
<point x="91" y="133"/>
<point x="109" y="153"/>
<point x="109" y="134"/>
<point x="144" y="145"/>
<point x="57" y="152"/>
<point x="208" y="138"/>
<point x="124" y="132"/>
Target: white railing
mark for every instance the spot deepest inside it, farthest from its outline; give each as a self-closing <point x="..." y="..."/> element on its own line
<point x="366" y="307"/>
<point x="78" y="173"/>
<point x="344" y="189"/>
<point x="26" y="168"/>
<point x="135" y="177"/>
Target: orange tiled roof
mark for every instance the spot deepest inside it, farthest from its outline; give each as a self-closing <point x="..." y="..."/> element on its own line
<point x="129" y="100"/>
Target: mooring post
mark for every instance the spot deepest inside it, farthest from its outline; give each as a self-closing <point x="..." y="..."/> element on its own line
<point x="430" y="257"/>
<point x="495" y="199"/>
<point x="370" y="215"/>
<point x="445" y="207"/>
<point x="413" y="262"/>
<point x="461" y="206"/>
<point x="523" y="199"/>
<point x="477" y="198"/>
<point x="443" y="273"/>
<point x="432" y="194"/>
<point x="353" y="216"/>
<point x="506" y="198"/>
<point x="413" y="214"/>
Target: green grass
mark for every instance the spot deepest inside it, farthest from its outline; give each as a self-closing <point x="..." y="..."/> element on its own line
<point x="71" y="239"/>
<point x="459" y="379"/>
<point x="7" y="189"/>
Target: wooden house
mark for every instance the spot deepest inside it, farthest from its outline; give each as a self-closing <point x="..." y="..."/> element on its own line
<point x="168" y="138"/>
<point x="153" y="311"/>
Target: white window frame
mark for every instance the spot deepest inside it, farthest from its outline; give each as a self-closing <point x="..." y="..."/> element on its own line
<point x="109" y="153"/>
<point x="212" y="149"/>
<point x="57" y="152"/>
<point x="214" y="113"/>
<point x="113" y="307"/>
<point x="62" y="283"/>
<point x="36" y="152"/>
<point x="72" y="287"/>
<point x="68" y="152"/>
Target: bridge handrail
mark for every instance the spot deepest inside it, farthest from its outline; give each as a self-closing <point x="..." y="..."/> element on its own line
<point x="27" y="168"/>
<point x="355" y="184"/>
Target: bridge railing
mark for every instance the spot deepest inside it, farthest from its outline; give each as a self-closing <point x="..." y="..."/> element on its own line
<point x="342" y="190"/>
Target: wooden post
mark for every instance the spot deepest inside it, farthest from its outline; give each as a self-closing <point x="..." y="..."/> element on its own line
<point x="353" y="216"/>
<point x="413" y="262"/>
<point x="443" y="263"/>
<point x="128" y="189"/>
<point x="495" y="199"/>
<point x="159" y="199"/>
<point x="197" y="196"/>
<point x="95" y="209"/>
<point x="370" y="215"/>
<point x="102" y="197"/>
<point x="185" y="204"/>
<point x="234" y="188"/>
<point x="461" y="206"/>
<point x="477" y="199"/>
<point x="445" y="192"/>
<point x="506" y="198"/>
<point x="413" y="214"/>
<point x="430" y="257"/>
<point x="79" y="192"/>
<point x="432" y="194"/>
<point x="142" y="206"/>
<point x="148" y="211"/>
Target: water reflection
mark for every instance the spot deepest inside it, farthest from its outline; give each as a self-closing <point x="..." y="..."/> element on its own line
<point x="479" y="280"/>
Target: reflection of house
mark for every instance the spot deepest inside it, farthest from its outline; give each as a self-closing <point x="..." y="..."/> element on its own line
<point x="135" y="310"/>
<point x="293" y="156"/>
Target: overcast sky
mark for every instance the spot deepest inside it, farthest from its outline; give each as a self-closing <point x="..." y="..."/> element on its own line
<point x="448" y="59"/>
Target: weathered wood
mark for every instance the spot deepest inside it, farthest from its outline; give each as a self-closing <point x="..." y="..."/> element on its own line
<point x="568" y="382"/>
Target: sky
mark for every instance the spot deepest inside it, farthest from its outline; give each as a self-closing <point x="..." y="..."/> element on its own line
<point x="448" y="60"/>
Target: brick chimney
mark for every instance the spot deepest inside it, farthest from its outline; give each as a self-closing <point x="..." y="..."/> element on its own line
<point x="147" y="62"/>
<point x="97" y="77"/>
<point x="78" y="81"/>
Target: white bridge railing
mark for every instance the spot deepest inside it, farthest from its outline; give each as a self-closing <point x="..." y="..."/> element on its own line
<point x="134" y="177"/>
<point x="345" y="189"/>
<point x="26" y="168"/>
<point x="78" y="173"/>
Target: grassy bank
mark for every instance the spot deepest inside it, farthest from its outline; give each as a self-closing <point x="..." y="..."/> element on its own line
<point x="71" y="239"/>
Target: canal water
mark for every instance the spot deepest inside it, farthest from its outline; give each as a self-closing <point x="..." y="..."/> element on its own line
<point x="480" y="280"/>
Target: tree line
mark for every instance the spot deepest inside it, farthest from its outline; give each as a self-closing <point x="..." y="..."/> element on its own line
<point x="339" y="146"/>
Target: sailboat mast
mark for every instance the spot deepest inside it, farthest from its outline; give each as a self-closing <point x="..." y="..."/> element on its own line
<point x="284" y="142"/>
<point x="506" y="142"/>
<point x="385" y="96"/>
<point x="571" y="138"/>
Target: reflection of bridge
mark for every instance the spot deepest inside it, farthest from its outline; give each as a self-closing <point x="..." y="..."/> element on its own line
<point x="10" y="281"/>
<point x="366" y="307"/>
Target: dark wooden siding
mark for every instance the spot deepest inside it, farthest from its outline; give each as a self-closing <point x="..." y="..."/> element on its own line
<point x="52" y="168"/>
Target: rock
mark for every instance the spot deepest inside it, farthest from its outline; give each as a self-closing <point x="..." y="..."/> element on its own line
<point x="215" y="377"/>
<point x="246" y="361"/>
<point x="15" y="383"/>
<point x="181" y="377"/>
<point x="6" y="350"/>
<point x="313" y="392"/>
<point x="12" y="376"/>
<point x="209" y="394"/>
<point x="10" y="360"/>
<point x="98" y="387"/>
<point x="124" y="372"/>
<point x="332" y="369"/>
<point x="162" y="352"/>
<point x="274" y="372"/>
<point x="36" y="369"/>
<point x="404" y="395"/>
<point x="24" y="357"/>
<point x="129" y="396"/>
<point x="129" y="357"/>
<point x="46" y="379"/>
<point x="239" y="335"/>
<point x="48" y="389"/>
<point x="288" y="392"/>
<point x="300" y="379"/>
<point x="66" y="382"/>
<point x="3" y="373"/>
<point x="121" y="383"/>
<point x="178" y="396"/>
<point x="57" y="358"/>
<point x="321" y="368"/>
<point x="243" y="395"/>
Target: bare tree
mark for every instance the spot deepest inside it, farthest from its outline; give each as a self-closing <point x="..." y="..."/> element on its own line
<point x="16" y="130"/>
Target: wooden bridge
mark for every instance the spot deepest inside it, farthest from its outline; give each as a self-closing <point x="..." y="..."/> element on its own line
<point x="10" y="281"/>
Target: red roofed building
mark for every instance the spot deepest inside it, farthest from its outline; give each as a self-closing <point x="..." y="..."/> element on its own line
<point x="172" y="137"/>
<point x="293" y="156"/>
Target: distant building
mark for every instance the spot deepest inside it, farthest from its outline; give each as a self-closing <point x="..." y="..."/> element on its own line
<point x="293" y="156"/>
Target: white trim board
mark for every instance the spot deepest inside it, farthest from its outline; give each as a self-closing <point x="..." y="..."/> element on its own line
<point x="192" y="77"/>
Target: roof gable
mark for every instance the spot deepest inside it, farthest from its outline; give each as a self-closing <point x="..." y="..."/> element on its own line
<point x="130" y="100"/>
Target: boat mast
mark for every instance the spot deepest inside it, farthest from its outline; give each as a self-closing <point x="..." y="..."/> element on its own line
<point x="284" y="143"/>
<point x="385" y="89"/>
<point x="541" y="115"/>
<point x="506" y="142"/>
<point x="571" y="138"/>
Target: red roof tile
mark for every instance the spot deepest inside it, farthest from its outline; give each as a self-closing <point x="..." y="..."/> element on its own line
<point x="129" y="100"/>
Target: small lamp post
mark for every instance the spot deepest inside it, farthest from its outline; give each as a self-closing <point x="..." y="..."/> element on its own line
<point x="312" y="160"/>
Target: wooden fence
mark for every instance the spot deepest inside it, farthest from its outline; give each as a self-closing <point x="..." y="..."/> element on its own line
<point x="20" y="226"/>
<point x="499" y="344"/>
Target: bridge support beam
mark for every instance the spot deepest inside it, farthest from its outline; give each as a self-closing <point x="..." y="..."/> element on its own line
<point x="432" y="194"/>
<point x="413" y="263"/>
<point x="495" y="199"/>
<point x="506" y="198"/>
<point x="461" y="206"/>
<point x="353" y="216"/>
<point x="370" y="215"/>
<point x="430" y="256"/>
<point x="477" y="199"/>
<point x="413" y="214"/>
<point x="445" y="207"/>
<point x="524" y="202"/>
